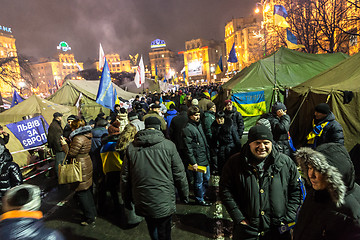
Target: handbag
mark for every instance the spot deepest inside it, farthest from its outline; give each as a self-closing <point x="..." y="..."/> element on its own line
<point x="70" y="172"/>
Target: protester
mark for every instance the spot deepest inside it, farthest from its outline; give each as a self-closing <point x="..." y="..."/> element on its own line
<point x="235" y="116"/>
<point x="331" y="209"/>
<point x="122" y="118"/>
<point x="151" y="168"/>
<point x="155" y="112"/>
<point x="225" y="140"/>
<point x="170" y="114"/>
<point x="325" y="128"/>
<point x="208" y="120"/>
<point x="79" y="148"/>
<point x="115" y="112"/>
<point x="163" y="108"/>
<point x="10" y="173"/>
<point x="55" y="132"/>
<point x="197" y="153"/>
<point x="100" y="116"/>
<point x="134" y="120"/>
<point x="22" y="218"/>
<point x="67" y="128"/>
<point x="280" y="126"/>
<point x="259" y="188"/>
<point x="4" y="139"/>
<point x="204" y="101"/>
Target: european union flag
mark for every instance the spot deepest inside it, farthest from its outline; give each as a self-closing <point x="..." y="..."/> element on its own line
<point x="105" y="95"/>
<point x="16" y="99"/>
<point x="232" y="55"/>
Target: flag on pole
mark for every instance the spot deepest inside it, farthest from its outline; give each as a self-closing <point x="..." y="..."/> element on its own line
<point x="101" y="57"/>
<point x="291" y="40"/>
<point x="219" y="67"/>
<point x="140" y="74"/>
<point x="280" y="14"/>
<point x="16" y="98"/>
<point x="117" y="100"/>
<point x="156" y="74"/>
<point x="56" y="84"/>
<point x="79" y="67"/>
<point x="175" y="79"/>
<point x="232" y="55"/>
<point x="105" y="95"/>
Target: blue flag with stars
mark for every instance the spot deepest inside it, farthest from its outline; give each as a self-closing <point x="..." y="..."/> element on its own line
<point x="16" y="99"/>
<point x="232" y="55"/>
<point x="105" y="95"/>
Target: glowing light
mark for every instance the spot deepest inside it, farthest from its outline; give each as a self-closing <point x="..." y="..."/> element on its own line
<point x="267" y="8"/>
<point x="257" y="10"/>
<point x="22" y="84"/>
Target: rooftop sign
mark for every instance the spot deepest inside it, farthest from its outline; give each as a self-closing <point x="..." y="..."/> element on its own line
<point x="63" y="46"/>
<point x="5" y="29"/>
<point x="158" y="43"/>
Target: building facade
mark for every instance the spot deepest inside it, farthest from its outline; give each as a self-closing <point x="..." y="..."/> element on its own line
<point x="116" y="65"/>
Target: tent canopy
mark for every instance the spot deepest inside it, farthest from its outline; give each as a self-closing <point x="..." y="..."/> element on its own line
<point x="33" y="106"/>
<point x="335" y="86"/>
<point x="292" y="68"/>
<point x="69" y="94"/>
<point x="149" y="84"/>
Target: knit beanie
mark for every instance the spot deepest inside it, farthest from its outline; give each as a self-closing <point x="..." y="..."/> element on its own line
<point x="227" y="102"/>
<point x="210" y="105"/>
<point x="323" y="108"/>
<point x="259" y="132"/>
<point x="25" y="196"/>
<point x="71" y="118"/>
<point x="277" y="106"/>
<point x="152" y="122"/>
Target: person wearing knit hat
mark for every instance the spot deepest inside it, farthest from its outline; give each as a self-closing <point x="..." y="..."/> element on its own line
<point x="260" y="189"/>
<point x="325" y="128"/>
<point x="236" y="117"/>
<point x="152" y="122"/>
<point x="332" y="204"/>
<point x="155" y="111"/>
<point x="195" y="102"/>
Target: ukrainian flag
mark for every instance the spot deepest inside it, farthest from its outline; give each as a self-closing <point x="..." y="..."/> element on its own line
<point x="249" y="103"/>
<point x="156" y="74"/>
<point x="280" y="14"/>
<point x="110" y="158"/>
<point x="214" y="95"/>
<point x="219" y="67"/>
<point x="291" y="40"/>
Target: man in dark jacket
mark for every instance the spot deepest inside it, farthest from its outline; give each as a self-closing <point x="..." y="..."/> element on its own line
<point x="331" y="209"/>
<point x="22" y="218"/>
<point x="260" y="189"/>
<point x="55" y="132"/>
<point x="150" y="170"/>
<point x="197" y="153"/>
<point x="325" y="128"/>
<point x="236" y="117"/>
<point x="67" y="128"/>
<point x="5" y="136"/>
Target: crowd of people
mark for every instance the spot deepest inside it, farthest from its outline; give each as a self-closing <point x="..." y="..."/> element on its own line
<point x="166" y="146"/>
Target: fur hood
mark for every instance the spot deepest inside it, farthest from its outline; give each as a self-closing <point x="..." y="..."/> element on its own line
<point x="81" y="130"/>
<point x="334" y="163"/>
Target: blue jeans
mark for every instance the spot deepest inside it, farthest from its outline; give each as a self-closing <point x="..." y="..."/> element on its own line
<point x="201" y="183"/>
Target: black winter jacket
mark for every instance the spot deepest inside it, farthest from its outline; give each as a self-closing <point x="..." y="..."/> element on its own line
<point x="151" y="168"/>
<point x="332" y="132"/>
<point x="266" y="202"/>
<point x="196" y="147"/>
<point x="176" y="126"/>
<point x="238" y="121"/>
<point x="207" y="121"/>
<point x="55" y="131"/>
<point x="10" y="173"/>
<point x="26" y="225"/>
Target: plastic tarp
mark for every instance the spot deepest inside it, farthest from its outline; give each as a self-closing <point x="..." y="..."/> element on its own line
<point x="292" y="68"/>
<point x="149" y="84"/>
<point x="69" y="94"/>
<point x="332" y="86"/>
<point x="33" y="106"/>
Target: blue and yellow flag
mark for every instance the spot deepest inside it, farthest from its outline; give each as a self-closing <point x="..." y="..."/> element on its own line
<point x="219" y="67"/>
<point x="156" y="74"/>
<point x="291" y="40"/>
<point x="16" y="99"/>
<point x="249" y="103"/>
<point x="105" y="95"/>
<point x="280" y="14"/>
<point x="176" y="79"/>
<point x="117" y="100"/>
<point x="214" y="95"/>
<point x="111" y="161"/>
<point x="232" y="55"/>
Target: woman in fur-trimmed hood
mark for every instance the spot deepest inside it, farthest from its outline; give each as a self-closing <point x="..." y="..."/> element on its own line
<point x="331" y="209"/>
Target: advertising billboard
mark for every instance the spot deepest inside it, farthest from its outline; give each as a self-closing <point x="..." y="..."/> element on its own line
<point x="195" y="68"/>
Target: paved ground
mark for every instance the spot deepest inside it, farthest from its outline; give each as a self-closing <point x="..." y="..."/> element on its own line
<point x="189" y="222"/>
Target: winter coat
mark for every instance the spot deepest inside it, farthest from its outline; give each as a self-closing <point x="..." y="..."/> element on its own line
<point x="67" y="131"/>
<point x="97" y="134"/>
<point x="175" y="132"/>
<point x="26" y="225"/>
<point x="123" y="119"/>
<point x="266" y="202"/>
<point x="332" y="213"/>
<point x="151" y="168"/>
<point x="113" y="115"/>
<point x="237" y="119"/>
<point x="79" y="148"/>
<point x="55" y="131"/>
<point x="10" y="173"/>
<point x="155" y="114"/>
<point x="332" y="132"/>
<point x="208" y="120"/>
<point x="203" y="104"/>
<point x="5" y="139"/>
<point x="170" y="114"/>
<point x="196" y="147"/>
<point x="280" y="128"/>
<point x="225" y="141"/>
<point x="140" y="125"/>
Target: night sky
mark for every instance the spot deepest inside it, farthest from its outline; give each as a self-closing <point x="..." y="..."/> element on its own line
<point x="122" y="26"/>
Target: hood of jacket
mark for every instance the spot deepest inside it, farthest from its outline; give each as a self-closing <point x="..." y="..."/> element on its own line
<point x="85" y="130"/>
<point x="148" y="137"/>
<point x="99" y="132"/>
<point x="334" y="163"/>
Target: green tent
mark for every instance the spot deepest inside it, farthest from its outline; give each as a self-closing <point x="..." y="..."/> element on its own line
<point x="292" y="68"/>
<point x="149" y="84"/>
<point x="69" y="95"/>
<point x="337" y="85"/>
<point x="31" y="107"/>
